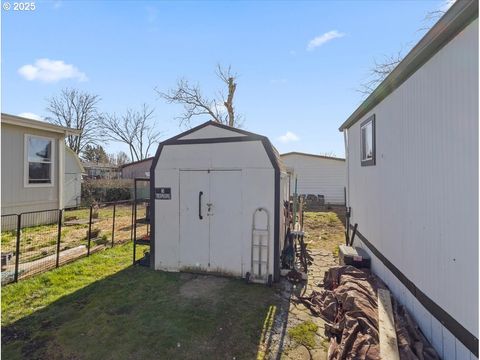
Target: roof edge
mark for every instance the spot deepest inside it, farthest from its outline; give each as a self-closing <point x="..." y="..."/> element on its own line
<point x="313" y="155"/>
<point x="459" y="16"/>
<point x="210" y="123"/>
<point x="136" y="162"/>
<point x="36" y="124"/>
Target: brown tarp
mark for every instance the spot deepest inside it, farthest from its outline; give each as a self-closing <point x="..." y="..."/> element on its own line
<point x="349" y="305"/>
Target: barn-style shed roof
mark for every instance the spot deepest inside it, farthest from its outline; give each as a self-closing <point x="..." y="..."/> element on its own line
<point x="212" y="132"/>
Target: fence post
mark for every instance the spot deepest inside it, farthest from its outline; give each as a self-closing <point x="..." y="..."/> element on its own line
<point x="17" y="247"/>
<point x="134" y="227"/>
<point x="89" y="230"/>
<point x="131" y="228"/>
<point x="59" y="236"/>
<point x="113" y="222"/>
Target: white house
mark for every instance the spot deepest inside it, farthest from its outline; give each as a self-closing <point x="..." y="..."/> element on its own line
<point x="217" y="195"/>
<point x="412" y="180"/>
<point x="38" y="173"/>
<point x="318" y="175"/>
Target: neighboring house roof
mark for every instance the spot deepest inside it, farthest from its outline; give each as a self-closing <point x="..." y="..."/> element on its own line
<point x="77" y="159"/>
<point x="461" y="13"/>
<point x="136" y="162"/>
<point x="36" y="124"/>
<point x="313" y="155"/>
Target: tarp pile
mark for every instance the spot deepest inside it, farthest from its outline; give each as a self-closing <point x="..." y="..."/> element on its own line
<point x="349" y="304"/>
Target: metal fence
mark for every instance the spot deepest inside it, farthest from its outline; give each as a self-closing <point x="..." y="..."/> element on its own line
<point x="34" y="242"/>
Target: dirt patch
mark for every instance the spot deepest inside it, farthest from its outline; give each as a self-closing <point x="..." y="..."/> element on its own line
<point x="205" y="287"/>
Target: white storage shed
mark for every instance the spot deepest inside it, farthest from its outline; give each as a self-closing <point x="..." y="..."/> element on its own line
<point x="412" y="181"/>
<point x="217" y="197"/>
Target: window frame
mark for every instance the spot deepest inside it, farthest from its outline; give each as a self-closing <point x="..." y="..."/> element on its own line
<point x="26" y="162"/>
<point x="368" y="162"/>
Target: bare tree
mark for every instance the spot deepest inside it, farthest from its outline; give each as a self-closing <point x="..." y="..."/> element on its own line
<point x="379" y="71"/>
<point x="77" y="110"/>
<point x="118" y="159"/>
<point x="134" y="128"/>
<point x="431" y="18"/>
<point x="220" y="109"/>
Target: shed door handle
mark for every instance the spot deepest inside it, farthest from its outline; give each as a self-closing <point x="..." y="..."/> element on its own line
<point x="200" y="194"/>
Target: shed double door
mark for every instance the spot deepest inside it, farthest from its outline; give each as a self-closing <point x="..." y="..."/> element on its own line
<point x="210" y="220"/>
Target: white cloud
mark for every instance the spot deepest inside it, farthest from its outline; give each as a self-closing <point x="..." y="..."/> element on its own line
<point x="324" y="38"/>
<point x="288" y="137"/>
<point x="47" y="70"/>
<point x="30" y="116"/>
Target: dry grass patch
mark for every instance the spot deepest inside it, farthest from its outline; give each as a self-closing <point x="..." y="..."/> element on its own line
<point x="324" y="230"/>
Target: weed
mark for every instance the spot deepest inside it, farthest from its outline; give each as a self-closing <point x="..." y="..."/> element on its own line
<point x="304" y="334"/>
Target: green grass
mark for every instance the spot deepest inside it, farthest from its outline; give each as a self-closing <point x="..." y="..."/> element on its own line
<point x="102" y="308"/>
<point x="304" y="334"/>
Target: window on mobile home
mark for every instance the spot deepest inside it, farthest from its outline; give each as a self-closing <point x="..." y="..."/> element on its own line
<point x="39" y="161"/>
<point x="367" y="132"/>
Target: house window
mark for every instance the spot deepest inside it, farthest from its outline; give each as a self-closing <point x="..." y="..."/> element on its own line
<point x="39" y="161"/>
<point x="367" y="141"/>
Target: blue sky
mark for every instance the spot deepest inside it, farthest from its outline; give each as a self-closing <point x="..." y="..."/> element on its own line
<point x="299" y="63"/>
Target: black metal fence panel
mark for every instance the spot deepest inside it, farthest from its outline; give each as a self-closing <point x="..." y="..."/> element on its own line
<point x="38" y="241"/>
<point x="123" y="222"/>
<point x="9" y="240"/>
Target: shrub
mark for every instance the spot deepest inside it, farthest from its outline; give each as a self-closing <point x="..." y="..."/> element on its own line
<point x="103" y="190"/>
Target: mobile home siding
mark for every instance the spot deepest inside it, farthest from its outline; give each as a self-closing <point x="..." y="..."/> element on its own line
<point x="318" y="176"/>
<point x="17" y="198"/>
<point x="419" y="204"/>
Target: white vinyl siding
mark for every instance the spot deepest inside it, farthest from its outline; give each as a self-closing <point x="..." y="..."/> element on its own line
<point x="419" y="205"/>
<point x="16" y="197"/>
<point x="317" y="176"/>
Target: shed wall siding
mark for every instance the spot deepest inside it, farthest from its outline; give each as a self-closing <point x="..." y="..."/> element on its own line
<point x="16" y="197"/>
<point x="257" y="189"/>
<point x="419" y="204"/>
<point x="318" y="176"/>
